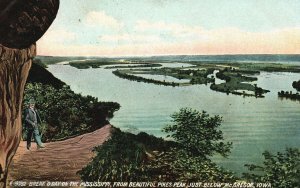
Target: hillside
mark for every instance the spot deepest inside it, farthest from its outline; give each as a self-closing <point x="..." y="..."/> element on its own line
<point x="38" y="74"/>
<point x="64" y="113"/>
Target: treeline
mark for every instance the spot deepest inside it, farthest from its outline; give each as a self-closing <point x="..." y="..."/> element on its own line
<point x="38" y="74"/>
<point x="134" y="66"/>
<point x="234" y="81"/>
<point x="65" y="113"/>
<point x="147" y="158"/>
<point x="227" y="75"/>
<point x="225" y="88"/>
<point x="141" y="79"/>
<point x="94" y="63"/>
<point x="195" y="76"/>
<point x="222" y="76"/>
<point x="195" y="138"/>
<point x="289" y="95"/>
<point x="296" y="85"/>
<point x="97" y="63"/>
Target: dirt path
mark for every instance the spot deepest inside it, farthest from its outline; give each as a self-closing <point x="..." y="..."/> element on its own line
<point x="59" y="161"/>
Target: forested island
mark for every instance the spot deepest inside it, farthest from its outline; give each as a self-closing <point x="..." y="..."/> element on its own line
<point x="237" y="78"/>
<point x="236" y="82"/>
<point x="124" y="75"/>
<point x="289" y="95"/>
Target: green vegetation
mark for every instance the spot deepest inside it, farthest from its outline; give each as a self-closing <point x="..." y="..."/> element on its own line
<point x="237" y="75"/>
<point x="289" y="95"/>
<point x="196" y="76"/>
<point x="281" y="170"/>
<point x="97" y="63"/>
<point x="195" y="137"/>
<point x="267" y="67"/>
<point x="235" y="83"/>
<point x="237" y="79"/>
<point x="122" y="74"/>
<point x="197" y="133"/>
<point x="296" y="85"/>
<point x="198" y="137"/>
<point x="48" y="60"/>
<point x="122" y="157"/>
<point x="134" y="66"/>
<point x="38" y="74"/>
<point x="65" y="113"/>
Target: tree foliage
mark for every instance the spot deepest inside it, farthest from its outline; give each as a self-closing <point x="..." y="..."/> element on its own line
<point x="296" y="85"/>
<point x="123" y="75"/>
<point x="197" y="138"/>
<point x="65" y="113"/>
<point x="281" y="170"/>
<point x="121" y="158"/>
<point x="177" y="165"/>
<point x="197" y="133"/>
<point x="39" y="74"/>
<point x="128" y="157"/>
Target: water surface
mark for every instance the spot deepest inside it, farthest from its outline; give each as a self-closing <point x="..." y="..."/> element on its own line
<point x="252" y="124"/>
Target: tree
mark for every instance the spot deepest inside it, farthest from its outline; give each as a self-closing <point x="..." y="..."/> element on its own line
<point x="198" y="138"/>
<point x="196" y="132"/>
<point x="22" y="24"/>
<point x="128" y="157"/>
<point x="296" y="85"/>
<point x="119" y="159"/>
<point x="65" y="113"/>
<point x="281" y="170"/>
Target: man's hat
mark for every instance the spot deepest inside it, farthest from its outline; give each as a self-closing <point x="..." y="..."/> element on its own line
<point x="31" y="101"/>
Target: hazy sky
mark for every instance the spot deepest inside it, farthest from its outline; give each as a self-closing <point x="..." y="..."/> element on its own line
<point x="162" y="27"/>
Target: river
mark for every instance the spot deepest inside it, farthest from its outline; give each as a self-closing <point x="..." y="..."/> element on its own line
<point x="252" y="124"/>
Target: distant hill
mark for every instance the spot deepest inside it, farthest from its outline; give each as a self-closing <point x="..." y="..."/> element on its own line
<point x="226" y="58"/>
<point x="274" y="58"/>
<point x="48" y="60"/>
<point x="280" y="58"/>
<point x="39" y="74"/>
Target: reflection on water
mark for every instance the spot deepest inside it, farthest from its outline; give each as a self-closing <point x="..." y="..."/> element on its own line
<point x="253" y="125"/>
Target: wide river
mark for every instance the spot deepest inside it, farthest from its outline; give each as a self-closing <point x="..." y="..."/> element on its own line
<point x="252" y="124"/>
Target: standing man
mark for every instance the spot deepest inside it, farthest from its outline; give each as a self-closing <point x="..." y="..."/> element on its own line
<point x="32" y="119"/>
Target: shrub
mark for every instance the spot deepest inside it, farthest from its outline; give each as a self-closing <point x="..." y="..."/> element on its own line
<point x="281" y="170"/>
<point x="296" y="85"/>
<point x="197" y="133"/>
<point x="65" y="113"/>
<point x="128" y="157"/>
<point x="121" y="158"/>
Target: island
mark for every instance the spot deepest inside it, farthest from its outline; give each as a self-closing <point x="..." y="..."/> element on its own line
<point x="238" y="78"/>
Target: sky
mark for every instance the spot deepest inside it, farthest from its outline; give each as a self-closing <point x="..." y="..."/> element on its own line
<point x="173" y="27"/>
